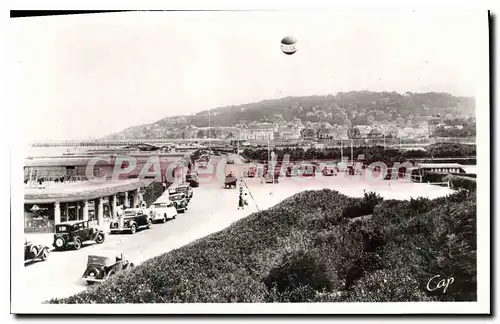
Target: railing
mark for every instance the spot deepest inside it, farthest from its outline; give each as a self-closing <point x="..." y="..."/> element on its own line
<point x="53" y="184"/>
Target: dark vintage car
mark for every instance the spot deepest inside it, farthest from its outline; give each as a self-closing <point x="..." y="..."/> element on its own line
<point x="74" y="233"/>
<point x="34" y="251"/>
<point x="290" y="171"/>
<point x="307" y="170"/>
<point x="252" y="171"/>
<point x="131" y="220"/>
<point x="193" y="179"/>
<point x="270" y="179"/>
<point x="330" y="171"/>
<point x="230" y="181"/>
<point x="186" y="189"/>
<point x="180" y="202"/>
<point x="102" y="267"/>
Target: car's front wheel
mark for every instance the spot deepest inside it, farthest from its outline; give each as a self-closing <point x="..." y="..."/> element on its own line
<point x="34" y="252"/>
<point x="133" y="229"/>
<point x="78" y="244"/>
<point x="100" y="238"/>
<point x="149" y="223"/>
<point x="45" y="255"/>
<point x="59" y="243"/>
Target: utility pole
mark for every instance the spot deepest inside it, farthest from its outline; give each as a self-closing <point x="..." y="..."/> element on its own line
<point x="341" y="150"/>
<point x="352" y="152"/>
<point x="209" y="131"/>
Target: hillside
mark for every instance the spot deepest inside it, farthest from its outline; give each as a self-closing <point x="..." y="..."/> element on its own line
<point x="309" y="249"/>
<point x="349" y="108"/>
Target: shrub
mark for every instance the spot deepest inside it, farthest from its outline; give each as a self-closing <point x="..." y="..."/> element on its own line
<point x="153" y="192"/>
<point x="468" y="183"/>
<point x="362" y="207"/>
<point x="298" y="277"/>
<point x="387" y="285"/>
<point x="304" y="250"/>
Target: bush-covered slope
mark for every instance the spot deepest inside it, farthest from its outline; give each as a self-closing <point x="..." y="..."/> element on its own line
<point x="310" y="249"/>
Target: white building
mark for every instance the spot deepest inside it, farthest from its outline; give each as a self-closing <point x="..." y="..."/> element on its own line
<point x="263" y="131"/>
<point x="289" y="132"/>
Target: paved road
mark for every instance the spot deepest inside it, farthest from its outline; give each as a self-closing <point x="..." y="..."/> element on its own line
<point x="211" y="209"/>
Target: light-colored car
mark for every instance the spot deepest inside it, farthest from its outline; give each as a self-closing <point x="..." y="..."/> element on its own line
<point x="161" y="211"/>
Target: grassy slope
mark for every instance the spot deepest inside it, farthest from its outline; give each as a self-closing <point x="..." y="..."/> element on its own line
<point x="306" y="249"/>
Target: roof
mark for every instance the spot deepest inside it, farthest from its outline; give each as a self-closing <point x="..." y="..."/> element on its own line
<point x="110" y="254"/>
<point x="83" y="160"/>
<point x="71" y="223"/>
<point x="83" y="190"/>
<point x="439" y="165"/>
<point x="135" y="210"/>
<point x="261" y="126"/>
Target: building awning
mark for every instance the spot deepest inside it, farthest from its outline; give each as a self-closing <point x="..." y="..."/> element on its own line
<point x="439" y="165"/>
<point x="84" y="190"/>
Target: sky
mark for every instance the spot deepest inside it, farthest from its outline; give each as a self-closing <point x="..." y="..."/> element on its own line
<point x="87" y="76"/>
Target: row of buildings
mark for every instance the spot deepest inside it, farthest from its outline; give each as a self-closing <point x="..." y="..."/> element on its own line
<point x="297" y="130"/>
<point x="318" y="131"/>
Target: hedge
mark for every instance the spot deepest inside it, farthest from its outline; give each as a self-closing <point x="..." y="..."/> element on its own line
<point x="305" y="250"/>
<point x="153" y="192"/>
<point x="372" y="153"/>
<point x="464" y="182"/>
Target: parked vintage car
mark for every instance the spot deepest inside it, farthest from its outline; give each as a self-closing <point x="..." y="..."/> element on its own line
<point x="330" y="171"/>
<point x="34" y="251"/>
<point x="353" y="171"/>
<point x="230" y="181"/>
<point x="162" y="209"/>
<point x="131" y="220"/>
<point x="186" y="189"/>
<point x="202" y="165"/>
<point x="102" y="267"/>
<point x="180" y="202"/>
<point x="307" y="170"/>
<point x="75" y="233"/>
<point x="193" y="179"/>
<point x="252" y="171"/>
<point x="270" y="179"/>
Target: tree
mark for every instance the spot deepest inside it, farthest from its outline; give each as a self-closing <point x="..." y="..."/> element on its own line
<point x="354" y="132"/>
<point x="200" y="134"/>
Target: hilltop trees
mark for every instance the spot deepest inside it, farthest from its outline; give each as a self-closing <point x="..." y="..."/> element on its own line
<point x="355" y="107"/>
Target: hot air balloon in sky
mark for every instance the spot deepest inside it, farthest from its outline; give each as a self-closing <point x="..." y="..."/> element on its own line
<point x="289" y="45"/>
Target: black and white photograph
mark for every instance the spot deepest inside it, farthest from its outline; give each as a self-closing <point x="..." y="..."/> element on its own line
<point x="239" y="162"/>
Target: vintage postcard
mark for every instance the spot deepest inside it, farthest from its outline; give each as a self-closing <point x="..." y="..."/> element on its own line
<point x="332" y="162"/>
